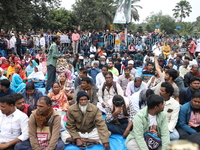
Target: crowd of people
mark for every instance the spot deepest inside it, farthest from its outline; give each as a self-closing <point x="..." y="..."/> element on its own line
<point x="139" y="90"/>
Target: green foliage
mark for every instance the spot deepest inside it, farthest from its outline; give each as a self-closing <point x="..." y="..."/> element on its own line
<point x="24" y="14"/>
<point x="148" y="28"/>
<point x="166" y="22"/>
<point x="140" y="29"/>
<point x="94" y="14"/>
<point x="197" y="25"/>
<point x="61" y="19"/>
<point x="99" y="14"/>
<point x="134" y="11"/>
<point x="182" y="10"/>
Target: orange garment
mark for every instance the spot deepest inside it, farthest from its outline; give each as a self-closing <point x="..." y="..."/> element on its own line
<point x="21" y="72"/>
<point x="59" y="100"/>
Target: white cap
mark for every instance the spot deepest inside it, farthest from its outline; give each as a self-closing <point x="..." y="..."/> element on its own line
<point x="92" y="56"/>
<point x="104" y="54"/>
<point x="105" y="57"/>
<point x="80" y="57"/>
<point x="198" y="54"/>
<point x="131" y="62"/>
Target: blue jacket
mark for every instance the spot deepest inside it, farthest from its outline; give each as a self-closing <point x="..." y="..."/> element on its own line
<point x="9" y="92"/>
<point x="123" y="47"/>
<point x="185" y="95"/>
<point x="93" y="73"/>
<point x="36" y="95"/>
<point x="184" y="117"/>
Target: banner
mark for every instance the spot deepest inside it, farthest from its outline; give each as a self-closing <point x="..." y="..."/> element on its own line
<point x="123" y="12"/>
<point x="64" y="39"/>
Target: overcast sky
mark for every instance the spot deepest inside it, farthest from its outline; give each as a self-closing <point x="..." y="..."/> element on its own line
<point x="154" y="6"/>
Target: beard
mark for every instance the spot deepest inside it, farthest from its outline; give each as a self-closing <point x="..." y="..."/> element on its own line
<point x="83" y="108"/>
<point x="103" y="62"/>
<point x="109" y="67"/>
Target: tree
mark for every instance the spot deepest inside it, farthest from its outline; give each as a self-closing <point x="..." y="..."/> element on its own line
<point x="187" y="28"/>
<point x="197" y="24"/>
<point x="94" y="14"/>
<point x="24" y="14"/>
<point x="148" y="28"/>
<point x="166" y="22"/>
<point x="134" y="11"/>
<point x="140" y="29"/>
<point x="182" y="10"/>
<point x="61" y="19"/>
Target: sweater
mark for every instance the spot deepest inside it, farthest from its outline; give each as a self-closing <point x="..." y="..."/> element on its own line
<point x="54" y="129"/>
<point x="53" y="55"/>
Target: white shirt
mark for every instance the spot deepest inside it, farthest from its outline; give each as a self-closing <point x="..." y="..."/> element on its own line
<point x="12" y="42"/>
<point x="152" y="120"/>
<point x="156" y="49"/>
<point x="135" y="98"/>
<point x="42" y="42"/>
<point x="100" y="79"/>
<point x="13" y="126"/>
<point x="193" y="62"/>
<point x="104" y="97"/>
<point x="171" y="110"/>
<point x="93" y="49"/>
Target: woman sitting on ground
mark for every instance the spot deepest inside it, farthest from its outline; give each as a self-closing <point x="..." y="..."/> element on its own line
<point x="58" y="97"/>
<point x="24" y="64"/>
<point x="30" y="67"/>
<point x="64" y="81"/>
<point x="5" y="65"/>
<point x="11" y="68"/>
<point x="43" y="65"/>
<point x="17" y="83"/>
<point x="37" y="77"/>
<point x="22" y="73"/>
<point x="31" y="95"/>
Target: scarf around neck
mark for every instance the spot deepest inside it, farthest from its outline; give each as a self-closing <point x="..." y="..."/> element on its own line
<point x="42" y="120"/>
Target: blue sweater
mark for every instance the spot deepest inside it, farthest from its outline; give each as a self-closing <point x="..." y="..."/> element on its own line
<point x="184" y="117"/>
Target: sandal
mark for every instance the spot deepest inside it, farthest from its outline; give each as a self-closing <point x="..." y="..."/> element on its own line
<point x="89" y="144"/>
<point x="83" y="146"/>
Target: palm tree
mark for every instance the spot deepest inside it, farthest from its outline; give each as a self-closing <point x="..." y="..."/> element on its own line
<point x="182" y="10"/>
<point x="187" y="28"/>
<point x="134" y="12"/>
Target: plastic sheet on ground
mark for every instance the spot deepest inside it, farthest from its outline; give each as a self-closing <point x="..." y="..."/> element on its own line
<point x="117" y="142"/>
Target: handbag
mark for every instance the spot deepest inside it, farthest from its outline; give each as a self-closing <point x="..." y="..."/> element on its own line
<point x="44" y="135"/>
<point x="152" y="141"/>
<point x="61" y="65"/>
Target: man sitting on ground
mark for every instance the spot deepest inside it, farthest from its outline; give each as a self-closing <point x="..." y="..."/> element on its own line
<point x="125" y="78"/>
<point x="119" y="115"/>
<point x="14" y="125"/>
<point x="85" y="124"/>
<point x="107" y="90"/>
<point x="91" y="90"/>
<point x="149" y="119"/>
<point x="135" y="86"/>
<point x="189" y="117"/>
<point x="21" y="105"/>
<point x="186" y="94"/>
<point x="83" y="73"/>
<point x="44" y="126"/>
<point x="5" y="88"/>
<point x="171" y="108"/>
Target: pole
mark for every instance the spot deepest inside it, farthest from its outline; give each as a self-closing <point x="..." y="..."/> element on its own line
<point x="125" y="31"/>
